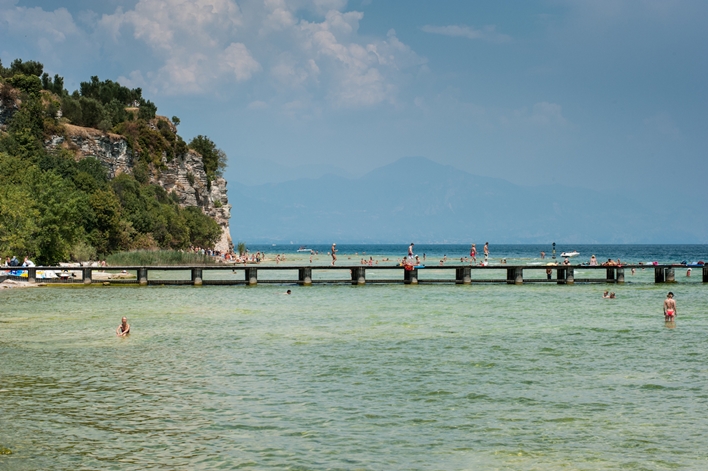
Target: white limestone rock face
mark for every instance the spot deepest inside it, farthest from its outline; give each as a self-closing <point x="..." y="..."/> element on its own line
<point x="110" y="149"/>
<point x="184" y="175"/>
<point x="9" y="104"/>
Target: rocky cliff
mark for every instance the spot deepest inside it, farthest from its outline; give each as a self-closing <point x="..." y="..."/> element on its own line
<point x="183" y="175"/>
<point x="9" y="104"/>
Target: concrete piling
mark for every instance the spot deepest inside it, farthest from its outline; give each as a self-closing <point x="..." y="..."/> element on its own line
<point x="305" y="276"/>
<point x="659" y="275"/>
<point x="251" y="276"/>
<point x="410" y="277"/>
<point x="463" y="275"/>
<point x="196" y="277"/>
<point x="620" y="275"/>
<point x="670" y="276"/>
<point x="570" y="276"/>
<point x="359" y="276"/>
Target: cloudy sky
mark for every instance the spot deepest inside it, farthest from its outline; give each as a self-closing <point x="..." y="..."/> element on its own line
<point x="603" y="93"/>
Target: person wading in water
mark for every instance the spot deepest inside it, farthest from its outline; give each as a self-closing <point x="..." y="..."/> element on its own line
<point x="124" y="328"/>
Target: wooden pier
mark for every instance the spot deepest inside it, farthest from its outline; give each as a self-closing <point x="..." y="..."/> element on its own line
<point x="356" y="274"/>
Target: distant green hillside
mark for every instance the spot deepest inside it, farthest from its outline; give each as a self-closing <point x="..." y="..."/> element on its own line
<point x="54" y="207"/>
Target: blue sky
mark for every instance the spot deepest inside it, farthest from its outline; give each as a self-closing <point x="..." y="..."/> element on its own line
<point x="601" y="94"/>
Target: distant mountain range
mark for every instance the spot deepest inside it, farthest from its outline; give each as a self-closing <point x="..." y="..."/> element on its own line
<point x="419" y="200"/>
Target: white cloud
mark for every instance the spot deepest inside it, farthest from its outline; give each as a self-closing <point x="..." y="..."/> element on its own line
<point x="359" y="70"/>
<point x="36" y="23"/>
<point x="193" y="38"/>
<point x="207" y="46"/>
<point x="237" y="60"/>
<point x="487" y="33"/>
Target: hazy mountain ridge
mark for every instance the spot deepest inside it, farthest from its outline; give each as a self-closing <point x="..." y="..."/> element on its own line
<point x="417" y="199"/>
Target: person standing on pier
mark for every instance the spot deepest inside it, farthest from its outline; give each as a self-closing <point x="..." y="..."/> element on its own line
<point x="669" y="307"/>
<point x="334" y="253"/>
<point x="473" y="254"/>
<point x="486" y="250"/>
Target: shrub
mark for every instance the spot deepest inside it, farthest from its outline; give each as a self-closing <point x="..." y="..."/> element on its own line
<point x="83" y="252"/>
<point x="29" y="84"/>
<point x="214" y="159"/>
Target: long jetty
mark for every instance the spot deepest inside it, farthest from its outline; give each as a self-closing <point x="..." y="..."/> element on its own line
<point x="356" y="274"/>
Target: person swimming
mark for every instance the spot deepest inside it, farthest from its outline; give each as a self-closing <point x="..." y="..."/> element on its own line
<point x="124" y="328"/>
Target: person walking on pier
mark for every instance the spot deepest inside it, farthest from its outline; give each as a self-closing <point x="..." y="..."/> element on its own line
<point x="410" y="250"/>
<point x="669" y="307"/>
<point x="473" y="254"/>
<point x="334" y="253"/>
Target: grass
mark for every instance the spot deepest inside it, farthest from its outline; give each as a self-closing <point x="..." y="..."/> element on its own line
<point x="157" y="258"/>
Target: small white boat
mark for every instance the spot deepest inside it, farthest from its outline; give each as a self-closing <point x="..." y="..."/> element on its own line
<point x="304" y="249"/>
<point x="574" y="253"/>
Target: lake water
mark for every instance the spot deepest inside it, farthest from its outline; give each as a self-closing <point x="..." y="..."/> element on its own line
<point x="341" y="377"/>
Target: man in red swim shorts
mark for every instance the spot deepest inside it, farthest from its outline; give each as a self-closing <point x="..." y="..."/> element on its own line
<point x="669" y="307"/>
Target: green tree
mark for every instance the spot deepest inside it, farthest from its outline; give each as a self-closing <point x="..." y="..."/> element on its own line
<point x="71" y="110"/>
<point x="59" y="208"/>
<point x="26" y="68"/>
<point x="29" y="84"/>
<point x="106" y="228"/>
<point x="214" y="159"/>
<point x="18" y="217"/>
<point x="147" y="110"/>
<point x="203" y="230"/>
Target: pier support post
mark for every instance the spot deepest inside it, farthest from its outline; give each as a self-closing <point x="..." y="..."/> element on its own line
<point x="610" y="275"/>
<point x="251" y="276"/>
<point x="143" y="276"/>
<point x="570" y="276"/>
<point x="658" y="275"/>
<point x="705" y="274"/>
<point x="197" y="276"/>
<point x="670" y="276"/>
<point x="305" y="276"/>
<point x="87" y="275"/>
<point x="620" y="275"/>
<point x="463" y="276"/>
<point x="518" y="276"/>
<point x="560" y="275"/>
<point x="410" y="277"/>
<point x="32" y="274"/>
<point x="359" y="276"/>
<point x="510" y="276"/>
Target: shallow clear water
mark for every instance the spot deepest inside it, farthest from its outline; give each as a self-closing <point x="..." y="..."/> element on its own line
<point x="341" y="377"/>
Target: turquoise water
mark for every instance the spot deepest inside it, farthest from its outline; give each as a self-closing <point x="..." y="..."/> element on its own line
<point x="339" y="377"/>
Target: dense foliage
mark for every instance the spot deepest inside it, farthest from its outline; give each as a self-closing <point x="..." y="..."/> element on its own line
<point x="54" y="207"/>
<point x="214" y="159"/>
